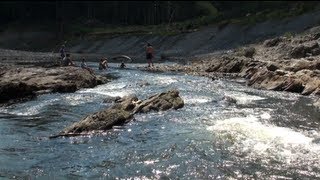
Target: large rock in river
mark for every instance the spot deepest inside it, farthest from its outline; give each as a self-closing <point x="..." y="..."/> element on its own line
<point x="101" y="120"/>
<point x="21" y="82"/>
<point x="160" y="102"/>
<point x="122" y="112"/>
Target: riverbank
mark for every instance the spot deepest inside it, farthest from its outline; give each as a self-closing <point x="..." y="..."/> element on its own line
<point x="285" y="63"/>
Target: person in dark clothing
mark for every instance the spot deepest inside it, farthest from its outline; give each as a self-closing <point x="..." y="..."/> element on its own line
<point x="62" y="52"/>
<point x="149" y="54"/>
<point x="103" y="64"/>
<point x="67" y="61"/>
<point x="122" y="65"/>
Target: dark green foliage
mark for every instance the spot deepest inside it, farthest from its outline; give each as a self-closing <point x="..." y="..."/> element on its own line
<point x="141" y="12"/>
<point x="170" y="17"/>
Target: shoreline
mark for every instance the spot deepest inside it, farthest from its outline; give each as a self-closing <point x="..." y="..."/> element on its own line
<point x="283" y="63"/>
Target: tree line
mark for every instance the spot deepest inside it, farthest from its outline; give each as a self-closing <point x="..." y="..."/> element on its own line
<point x="109" y="12"/>
<point x="128" y="12"/>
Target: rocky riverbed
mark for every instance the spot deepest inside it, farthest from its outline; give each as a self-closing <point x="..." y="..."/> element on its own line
<point x="281" y="64"/>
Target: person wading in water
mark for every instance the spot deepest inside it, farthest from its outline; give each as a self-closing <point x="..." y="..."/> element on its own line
<point x="62" y="52"/>
<point x="149" y="54"/>
<point x="103" y="64"/>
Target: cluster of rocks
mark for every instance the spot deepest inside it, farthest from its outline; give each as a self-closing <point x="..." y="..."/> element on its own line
<point x="123" y="112"/>
<point x="18" y="83"/>
<point x="282" y="64"/>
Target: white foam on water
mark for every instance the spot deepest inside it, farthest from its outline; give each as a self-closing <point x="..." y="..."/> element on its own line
<point x="29" y="109"/>
<point x="77" y="99"/>
<point x="243" y="98"/>
<point x="117" y="93"/>
<point x="267" y="142"/>
<point x="110" y="86"/>
<point x="196" y="99"/>
<point x="110" y="90"/>
<point x="150" y="162"/>
<point x="265" y="115"/>
<point x="164" y="80"/>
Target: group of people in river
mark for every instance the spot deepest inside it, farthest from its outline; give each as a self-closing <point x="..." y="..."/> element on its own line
<point x="103" y="64"/>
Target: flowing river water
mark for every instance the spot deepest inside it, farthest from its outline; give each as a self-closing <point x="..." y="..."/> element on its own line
<point x="264" y="135"/>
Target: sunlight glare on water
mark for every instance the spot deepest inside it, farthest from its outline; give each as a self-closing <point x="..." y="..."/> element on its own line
<point x="252" y="134"/>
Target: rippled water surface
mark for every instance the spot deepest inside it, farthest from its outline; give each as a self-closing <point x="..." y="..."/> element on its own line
<point x="273" y="135"/>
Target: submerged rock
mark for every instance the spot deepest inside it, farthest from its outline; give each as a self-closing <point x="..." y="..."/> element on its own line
<point x="122" y="112"/>
<point x="110" y="99"/>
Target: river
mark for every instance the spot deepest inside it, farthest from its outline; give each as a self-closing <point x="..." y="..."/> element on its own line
<point x="264" y="135"/>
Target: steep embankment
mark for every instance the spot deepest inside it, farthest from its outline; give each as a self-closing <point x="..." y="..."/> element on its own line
<point x="205" y="40"/>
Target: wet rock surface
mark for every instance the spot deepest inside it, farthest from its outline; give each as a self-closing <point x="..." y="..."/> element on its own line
<point x="123" y="111"/>
<point x="282" y="64"/>
<point x="317" y="103"/>
<point x="21" y="82"/>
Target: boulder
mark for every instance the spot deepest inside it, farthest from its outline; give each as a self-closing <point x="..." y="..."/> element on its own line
<point x="298" y="52"/>
<point x="311" y="86"/>
<point x="102" y="120"/>
<point x="315" y="51"/>
<point x="311" y="45"/>
<point x="317" y="103"/>
<point x="21" y="82"/>
<point x="298" y="65"/>
<point x="272" y="67"/>
<point x="249" y="52"/>
<point x="246" y="52"/>
<point x="15" y="90"/>
<point x="160" y="102"/>
<point x="294" y="85"/>
<point x="272" y="42"/>
<point x="228" y="64"/>
<point x="122" y="112"/>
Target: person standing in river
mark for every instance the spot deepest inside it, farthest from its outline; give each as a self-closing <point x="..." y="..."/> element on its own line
<point x="149" y="54"/>
<point x="122" y="65"/>
<point x="62" y="55"/>
<point x="62" y="52"/>
<point x="103" y="63"/>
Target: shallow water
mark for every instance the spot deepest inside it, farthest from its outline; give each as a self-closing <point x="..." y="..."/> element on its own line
<point x="265" y="134"/>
